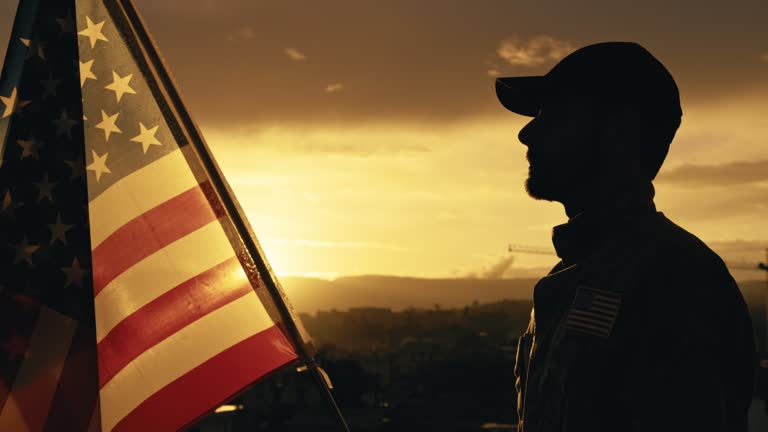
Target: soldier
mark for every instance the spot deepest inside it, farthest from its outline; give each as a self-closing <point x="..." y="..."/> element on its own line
<point x="640" y="326"/>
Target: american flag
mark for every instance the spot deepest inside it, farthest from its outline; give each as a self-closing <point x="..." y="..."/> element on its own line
<point x="120" y="252"/>
<point x="593" y="311"/>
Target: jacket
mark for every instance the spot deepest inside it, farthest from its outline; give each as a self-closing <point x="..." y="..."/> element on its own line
<point x="640" y="327"/>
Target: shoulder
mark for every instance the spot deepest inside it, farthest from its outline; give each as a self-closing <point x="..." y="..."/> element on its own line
<point x="682" y="277"/>
<point x="670" y="251"/>
<point x="675" y="247"/>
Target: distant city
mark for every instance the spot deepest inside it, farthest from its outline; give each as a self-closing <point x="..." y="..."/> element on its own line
<point x="439" y="367"/>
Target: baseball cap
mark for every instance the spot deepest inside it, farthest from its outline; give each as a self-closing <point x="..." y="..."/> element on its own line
<point x="617" y="73"/>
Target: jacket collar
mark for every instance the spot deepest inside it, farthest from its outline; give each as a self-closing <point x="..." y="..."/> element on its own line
<point x="587" y="231"/>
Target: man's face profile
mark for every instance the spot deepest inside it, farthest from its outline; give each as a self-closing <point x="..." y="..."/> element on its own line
<point x="561" y="141"/>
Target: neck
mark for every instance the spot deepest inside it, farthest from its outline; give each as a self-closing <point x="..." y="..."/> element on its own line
<point x="611" y="196"/>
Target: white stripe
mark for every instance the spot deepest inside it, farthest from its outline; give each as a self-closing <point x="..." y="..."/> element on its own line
<point x="160" y="272"/>
<point x="39" y="373"/>
<point x="179" y="354"/>
<point x="139" y="192"/>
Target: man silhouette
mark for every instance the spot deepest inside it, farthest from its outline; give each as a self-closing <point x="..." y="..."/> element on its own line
<point x="640" y="326"/>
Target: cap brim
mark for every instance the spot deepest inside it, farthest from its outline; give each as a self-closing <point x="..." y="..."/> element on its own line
<point x="521" y="95"/>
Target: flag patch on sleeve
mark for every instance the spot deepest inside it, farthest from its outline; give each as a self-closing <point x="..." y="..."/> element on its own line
<point x="593" y="311"/>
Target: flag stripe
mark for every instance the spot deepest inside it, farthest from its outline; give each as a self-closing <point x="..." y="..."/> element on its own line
<point x="19" y="315"/>
<point x="222" y="377"/>
<point x="170" y="313"/>
<point x="597" y="305"/>
<point x="77" y="392"/>
<point x="139" y="192"/>
<point x="591" y="317"/>
<point x="150" y="232"/>
<point x="588" y="328"/>
<point x="166" y="268"/>
<point x="181" y="352"/>
<point x="593" y="312"/>
<point x="29" y="401"/>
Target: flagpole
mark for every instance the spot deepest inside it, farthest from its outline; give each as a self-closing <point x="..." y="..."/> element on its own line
<point x="188" y="127"/>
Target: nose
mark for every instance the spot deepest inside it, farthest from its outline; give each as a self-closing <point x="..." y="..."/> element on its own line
<point x="526" y="133"/>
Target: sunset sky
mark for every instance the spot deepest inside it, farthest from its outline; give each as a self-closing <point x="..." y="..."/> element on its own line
<point x="364" y="137"/>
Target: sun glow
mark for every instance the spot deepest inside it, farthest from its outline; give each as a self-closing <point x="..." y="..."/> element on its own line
<point x="327" y="201"/>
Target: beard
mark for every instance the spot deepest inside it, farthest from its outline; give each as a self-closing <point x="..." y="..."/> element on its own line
<point x="542" y="186"/>
<point x="554" y="179"/>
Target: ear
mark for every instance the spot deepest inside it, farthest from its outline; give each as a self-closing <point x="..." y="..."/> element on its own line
<point x="620" y="140"/>
<point x="616" y="128"/>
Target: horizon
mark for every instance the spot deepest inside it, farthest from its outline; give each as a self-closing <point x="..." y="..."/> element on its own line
<point x="311" y="295"/>
<point x="755" y="274"/>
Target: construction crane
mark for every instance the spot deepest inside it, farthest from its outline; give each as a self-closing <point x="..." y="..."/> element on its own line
<point x="533" y="250"/>
<point x="743" y="265"/>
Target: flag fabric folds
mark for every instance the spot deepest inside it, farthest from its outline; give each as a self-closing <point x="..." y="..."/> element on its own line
<point x="128" y="300"/>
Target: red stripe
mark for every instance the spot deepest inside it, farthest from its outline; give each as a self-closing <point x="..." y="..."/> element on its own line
<point x="78" y="389"/>
<point x="18" y="316"/>
<point x="169" y="313"/>
<point x="152" y="231"/>
<point x="208" y="385"/>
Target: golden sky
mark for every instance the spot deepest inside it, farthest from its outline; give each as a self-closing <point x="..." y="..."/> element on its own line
<point x="364" y="137"/>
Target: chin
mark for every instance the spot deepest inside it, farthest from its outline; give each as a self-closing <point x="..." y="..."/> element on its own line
<point x="541" y="189"/>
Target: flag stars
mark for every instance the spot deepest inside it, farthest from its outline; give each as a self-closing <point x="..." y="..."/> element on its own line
<point x="7" y="205"/>
<point x="45" y="189"/>
<point x="120" y="85"/>
<point x="49" y="86"/>
<point x="67" y="24"/>
<point x="28" y="148"/>
<point x="24" y="251"/>
<point x="74" y="274"/>
<point x="36" y="47"/>
<point x="64" y="125"/>
<point x="146" y="137"/>
<point x="76" y="166"/>
<point x="12" y="103"/>
<point x="7" y="201"/>
<point x="93" y="32"/>
<point x="99" y="165"/>
<point x="85" y="72"/>
<point x="59" y="230"/>
<point x="108" y="124"/>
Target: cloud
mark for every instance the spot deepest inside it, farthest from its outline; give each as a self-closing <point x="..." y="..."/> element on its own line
<point x="336" y="244"/>
<point x="405" y="77"/>
<point x="730" y="174"/>
<point x="494" y="72"/>
<point x="363" y="141"/>
<point x="333" y="88"/>
<point x="764" y="56"/>
<point x="295" y="54"/>
<point x="534" y="51"/>
<point x="740" y="209"/>
<point x="752" y="247"/>
<point x="742" y="256"/>
<point x="242" y="34"/>
<point x="495" y="270"/>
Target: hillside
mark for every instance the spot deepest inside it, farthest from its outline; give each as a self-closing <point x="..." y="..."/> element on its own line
<point x="397" y="293"/>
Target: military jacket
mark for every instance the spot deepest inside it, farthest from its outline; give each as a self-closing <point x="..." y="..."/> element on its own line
<point x="640" y="327"/>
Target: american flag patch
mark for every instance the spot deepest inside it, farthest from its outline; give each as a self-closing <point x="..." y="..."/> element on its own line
<point x="593" y="311"/>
